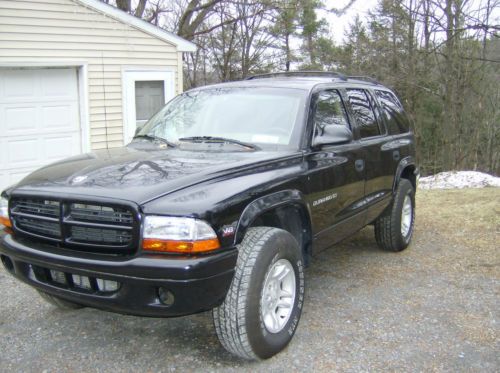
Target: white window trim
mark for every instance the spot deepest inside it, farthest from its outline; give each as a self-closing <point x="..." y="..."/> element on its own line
<point x="130" y="75"/>
<point x="83" y="92"/>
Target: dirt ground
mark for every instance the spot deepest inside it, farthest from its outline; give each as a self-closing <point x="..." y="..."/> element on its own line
<point x="433" y="307"/>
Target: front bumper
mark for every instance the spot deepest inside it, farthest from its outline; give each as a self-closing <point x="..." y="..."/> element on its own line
<point x="198" y="284"/>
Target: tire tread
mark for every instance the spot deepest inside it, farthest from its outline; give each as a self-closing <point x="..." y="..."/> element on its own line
<point x="387" y="231"/>
<point x="229" y="318"/>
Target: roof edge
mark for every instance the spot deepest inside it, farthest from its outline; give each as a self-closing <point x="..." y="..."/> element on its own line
<point x="182" y="44"/>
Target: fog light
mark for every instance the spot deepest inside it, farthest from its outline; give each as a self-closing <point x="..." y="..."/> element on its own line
<point x="58" y="276"/>
<point x="82" y="282"/>
<point x="166" y="297"/>
<point x="107" y="285"/>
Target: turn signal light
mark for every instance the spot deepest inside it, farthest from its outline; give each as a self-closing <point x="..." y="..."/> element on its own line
<point x="5" y="221"/>
<point x="184" y="247"/>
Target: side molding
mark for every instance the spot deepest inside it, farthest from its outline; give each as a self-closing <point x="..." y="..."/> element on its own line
<point x="266" y="203"/>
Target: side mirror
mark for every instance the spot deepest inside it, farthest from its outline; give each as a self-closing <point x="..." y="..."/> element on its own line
<point x="333" y="135"/>
<point x="138" y="128"/>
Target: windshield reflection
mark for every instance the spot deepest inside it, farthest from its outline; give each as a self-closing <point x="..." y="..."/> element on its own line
<point x="254" y="115"/>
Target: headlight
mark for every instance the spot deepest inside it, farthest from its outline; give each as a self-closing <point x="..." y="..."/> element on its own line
<point x="178" y="235"/>
<point x="4" y="212"/>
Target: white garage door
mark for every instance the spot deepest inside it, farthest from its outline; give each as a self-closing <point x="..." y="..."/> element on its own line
<point x="39" y="120"/>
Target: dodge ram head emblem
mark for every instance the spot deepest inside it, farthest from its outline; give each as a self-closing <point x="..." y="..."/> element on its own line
<point x="79" y="179"/>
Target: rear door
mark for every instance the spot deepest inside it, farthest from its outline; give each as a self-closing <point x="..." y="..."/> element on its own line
<point x="335" y="182"/>
<point x="397" y="123"/>
<point x="380" y="161"/>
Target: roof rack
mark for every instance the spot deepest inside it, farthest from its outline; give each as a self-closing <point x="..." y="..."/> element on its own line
<point x="326" y="74"/>
<point x="365" y="78"/>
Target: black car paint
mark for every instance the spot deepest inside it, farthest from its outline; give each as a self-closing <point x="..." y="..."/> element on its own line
<point x="229" y="188"/>
<point x="198" y="283"/>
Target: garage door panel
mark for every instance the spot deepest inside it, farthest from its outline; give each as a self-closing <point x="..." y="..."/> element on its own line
<point x="19" y="119"/>
<point x="4" y="181"/>
<point x="56" y="148"/>
<point x="19" y="84"/>
<point x="60" y="116"/>
<point x="59" y="84"/>
<point x="39" y="120"/>
<point x="23" y="152"/>
<point x="16" y="176"/>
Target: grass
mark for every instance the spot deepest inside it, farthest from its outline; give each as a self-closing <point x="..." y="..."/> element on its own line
<point x="467" y="222"/>
<point x="474" y="211"/>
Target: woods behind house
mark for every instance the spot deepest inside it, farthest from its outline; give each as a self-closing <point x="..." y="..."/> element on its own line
<point x="441" y="56"/>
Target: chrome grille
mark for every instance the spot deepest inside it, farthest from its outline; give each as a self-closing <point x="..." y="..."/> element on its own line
<point x="96" y="235"/>
<point x="102" y="228"/>
<point x="39" y="207"/>
<point x="105" y="214"/>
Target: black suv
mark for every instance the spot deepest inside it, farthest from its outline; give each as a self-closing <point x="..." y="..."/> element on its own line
<point x="218" y="204"/>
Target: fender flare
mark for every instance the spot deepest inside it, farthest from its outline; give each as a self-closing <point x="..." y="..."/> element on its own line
<point x="403" y="163"/>
<point x="266" y="203"/>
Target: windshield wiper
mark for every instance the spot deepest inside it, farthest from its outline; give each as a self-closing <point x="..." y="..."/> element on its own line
<point x="156" y="138"/>
<point x="217" y="139"/>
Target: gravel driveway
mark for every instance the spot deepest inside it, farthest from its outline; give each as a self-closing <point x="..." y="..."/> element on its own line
<point x="435" y="306"/>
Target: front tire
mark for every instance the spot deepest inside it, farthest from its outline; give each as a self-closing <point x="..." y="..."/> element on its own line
<point x="394" y="228"/>
<point x="263" y="305"/>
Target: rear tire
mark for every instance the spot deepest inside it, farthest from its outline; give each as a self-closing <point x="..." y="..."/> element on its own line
<point x="58" y="302"/>
<point x="262" y="308"/>
<point x="394" y="228"/>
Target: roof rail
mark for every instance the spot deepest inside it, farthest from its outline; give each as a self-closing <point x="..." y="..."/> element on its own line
<point x="326" y="74"/>
<point x="365" y="78"/>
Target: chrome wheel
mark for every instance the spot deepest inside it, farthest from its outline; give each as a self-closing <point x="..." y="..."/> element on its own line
<point x="278" y="296"/>
<point x="406" y="216"/>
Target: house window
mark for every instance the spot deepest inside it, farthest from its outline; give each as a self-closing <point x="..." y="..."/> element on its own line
<point x="149" y="98"/>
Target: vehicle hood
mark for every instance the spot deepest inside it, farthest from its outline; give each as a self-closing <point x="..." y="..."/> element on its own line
<point x="140" y="174"/>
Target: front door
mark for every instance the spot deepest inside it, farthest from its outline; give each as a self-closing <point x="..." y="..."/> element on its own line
<point x="149" y="98"/>
<point x="335" y="178"/>
<point x="145" y="92"/>
<point x="380" y="163"/>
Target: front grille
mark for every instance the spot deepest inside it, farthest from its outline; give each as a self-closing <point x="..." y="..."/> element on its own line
<point x="41" y="227"/>
<point x="39" y="207"/>
<point x="104" y="214"/>
<point x="72" y="281"/>
<point x="102" y="228"/>
<point x="97" y="235"/>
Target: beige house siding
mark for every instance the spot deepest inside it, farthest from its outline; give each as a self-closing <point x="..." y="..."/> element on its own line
<point x="39" y="31"/>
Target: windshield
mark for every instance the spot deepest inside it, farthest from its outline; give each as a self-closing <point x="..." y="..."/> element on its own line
<point x="264" y="116"/>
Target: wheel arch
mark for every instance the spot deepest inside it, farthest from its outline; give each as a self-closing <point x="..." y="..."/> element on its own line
<point x="286" y="210"/>
<point x="407" y="169"/>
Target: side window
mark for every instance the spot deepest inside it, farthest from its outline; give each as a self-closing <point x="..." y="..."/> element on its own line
<point x="363" y="112"/>
<point x="330" y="111"/>
<point x="393" y="112"/>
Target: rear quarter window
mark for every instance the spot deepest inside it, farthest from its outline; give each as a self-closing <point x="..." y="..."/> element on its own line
<point x="393" y="112"/>
<point x="363" y="112"/>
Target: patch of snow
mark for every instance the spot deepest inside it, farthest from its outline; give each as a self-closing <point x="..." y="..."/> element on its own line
<point x="458" y="180"/>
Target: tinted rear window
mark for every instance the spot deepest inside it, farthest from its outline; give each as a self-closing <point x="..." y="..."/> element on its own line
<point x="395" y="117"/>
<point x="363" y="111"/>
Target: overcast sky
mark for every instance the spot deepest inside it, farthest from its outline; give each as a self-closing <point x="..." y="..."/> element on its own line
<point x="339" y="24"/>
<point x="362" y="7"/>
